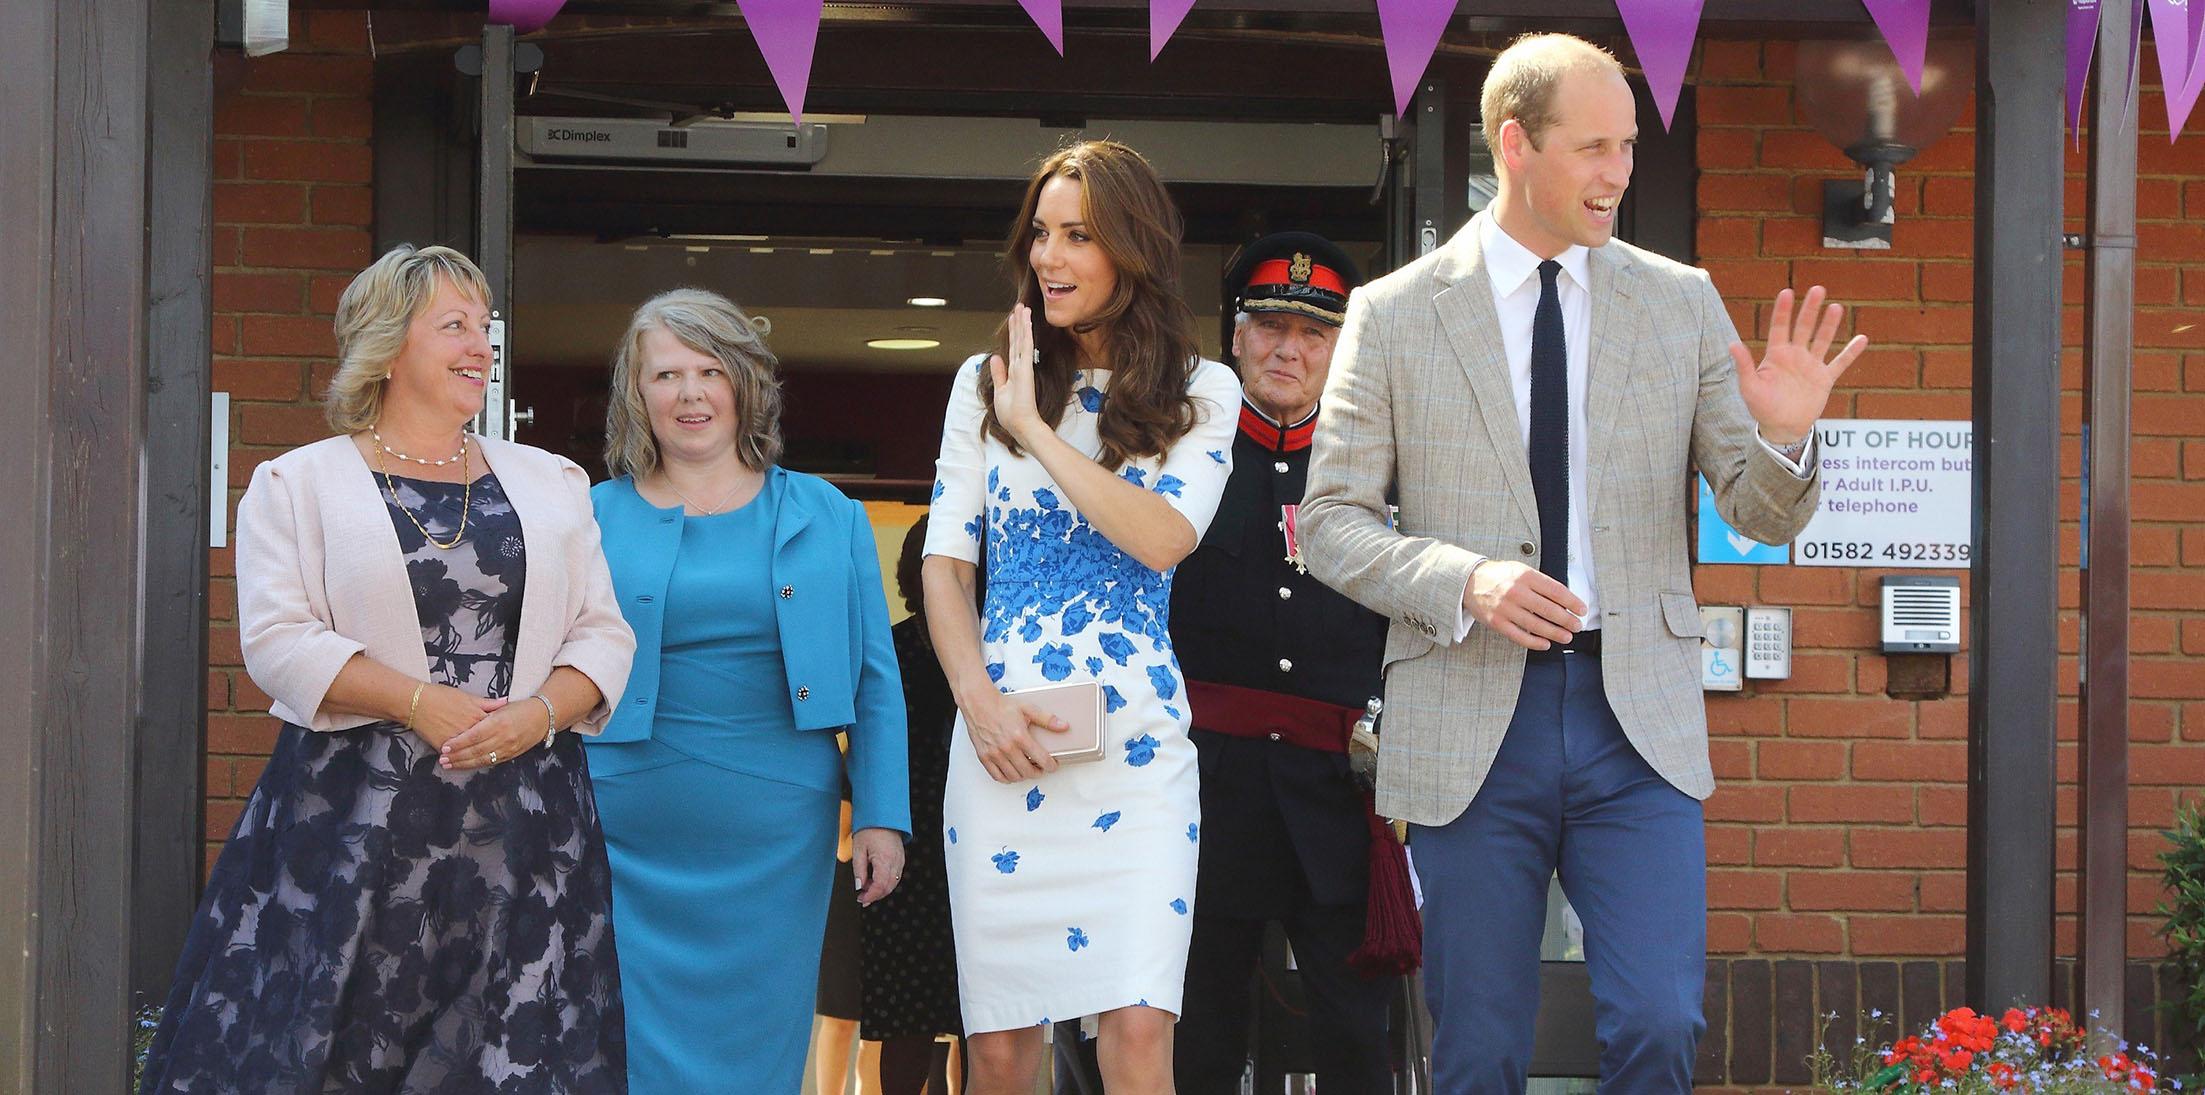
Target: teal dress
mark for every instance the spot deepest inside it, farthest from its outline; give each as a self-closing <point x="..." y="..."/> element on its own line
<point x="721" y="828"/>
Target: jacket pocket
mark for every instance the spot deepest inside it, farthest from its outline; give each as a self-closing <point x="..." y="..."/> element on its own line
<point x="1683" y="615"/>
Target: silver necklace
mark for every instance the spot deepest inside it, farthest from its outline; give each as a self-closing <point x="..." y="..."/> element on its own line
<point x="704" y="511"/>
<point x="461" y="455"/>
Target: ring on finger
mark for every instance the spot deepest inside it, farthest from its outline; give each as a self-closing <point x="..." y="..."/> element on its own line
<point x="493" y="756"/>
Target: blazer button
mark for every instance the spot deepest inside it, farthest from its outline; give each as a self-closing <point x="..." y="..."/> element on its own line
<point x="1285" y="594"/>
<point x="1528" y="548"/>
<point x="1279" y="467"/>
<point x="1285" y="666"/>
<point x="804" y="692"/>
<point x="787" y="592"/>
<point x="1274" y="735"/>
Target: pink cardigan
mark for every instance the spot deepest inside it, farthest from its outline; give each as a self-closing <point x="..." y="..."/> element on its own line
<point x="320" y="578"/>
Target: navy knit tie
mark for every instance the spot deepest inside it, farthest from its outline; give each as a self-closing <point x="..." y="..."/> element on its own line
<point x="1550" y="427"/>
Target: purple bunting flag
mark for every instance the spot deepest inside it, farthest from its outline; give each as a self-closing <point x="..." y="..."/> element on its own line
<point x="1164" y="17"/>
<point x="1661" y="34"/>
<point x="1905" y="26"/>
<point x="2082" y="41"/>
<point x="2170" y="29"/>
<point x="1412" y="29"/>
<point x="525" y="15"/>
<point x="786" y="31"/>
<point x="1049" y="16"/>
<point x="2180" y="103"/>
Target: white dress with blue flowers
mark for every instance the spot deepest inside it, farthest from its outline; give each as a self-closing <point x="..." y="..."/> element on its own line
<point x="1073" y="894"/>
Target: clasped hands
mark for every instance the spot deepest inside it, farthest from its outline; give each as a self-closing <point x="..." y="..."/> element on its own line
<point x="465" y="729"/>
<point x="1785" y="391"/>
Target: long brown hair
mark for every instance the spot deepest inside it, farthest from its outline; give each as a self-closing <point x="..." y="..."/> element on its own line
<point x="1148" y="329"/>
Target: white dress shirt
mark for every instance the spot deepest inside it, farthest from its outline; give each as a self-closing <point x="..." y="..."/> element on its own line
<point x="1514" y="272"/>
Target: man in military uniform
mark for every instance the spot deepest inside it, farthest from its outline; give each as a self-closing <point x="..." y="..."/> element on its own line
<point x="1279" y="669"/>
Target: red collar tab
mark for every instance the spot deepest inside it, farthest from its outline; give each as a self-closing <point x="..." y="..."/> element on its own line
<point x="1261" y="430"/>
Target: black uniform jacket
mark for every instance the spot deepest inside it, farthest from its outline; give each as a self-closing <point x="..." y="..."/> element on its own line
<point x="1281" y="824"/>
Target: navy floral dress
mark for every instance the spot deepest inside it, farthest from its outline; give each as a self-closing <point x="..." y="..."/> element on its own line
<point x="377" y="923"/>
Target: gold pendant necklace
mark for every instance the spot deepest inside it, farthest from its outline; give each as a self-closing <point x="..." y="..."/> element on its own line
<point x="466" y="500"/>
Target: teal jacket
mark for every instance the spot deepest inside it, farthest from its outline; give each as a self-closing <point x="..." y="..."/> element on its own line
<point x="835" y="643"/>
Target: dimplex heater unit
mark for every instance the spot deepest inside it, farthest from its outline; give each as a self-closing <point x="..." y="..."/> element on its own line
<point x="642" y="141"/>
<point x="1921" y="615"/>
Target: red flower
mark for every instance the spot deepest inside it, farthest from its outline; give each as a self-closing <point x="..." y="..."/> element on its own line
<point x="2015" y="1021"/>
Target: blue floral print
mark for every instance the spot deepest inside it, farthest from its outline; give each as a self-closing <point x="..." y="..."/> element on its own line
<point x="1074" y="939"/>
<point x="1164" y="681"/>
<point x="1141" y="750"/>
<point x="1106" y="821"/>
<point x="1055" y="660"/>
<point x="1179" y="905"/>
<point x="1034" y="798"/>
<point x="1005" y="861"/>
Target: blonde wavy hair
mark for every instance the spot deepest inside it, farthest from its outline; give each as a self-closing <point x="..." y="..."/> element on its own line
<point x="373" y="317"/>
<point x="713" y="325"/>
<point x="1524" y="79"/>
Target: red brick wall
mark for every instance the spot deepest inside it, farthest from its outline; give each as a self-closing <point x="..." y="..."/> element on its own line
<point x="292" y="208"/>
<point x="1839" y="828"/>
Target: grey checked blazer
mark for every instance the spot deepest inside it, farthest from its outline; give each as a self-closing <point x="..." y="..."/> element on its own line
<point x="1420" y="399"/>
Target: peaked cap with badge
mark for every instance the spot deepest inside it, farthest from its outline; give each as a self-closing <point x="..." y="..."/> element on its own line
<point x="1301" y="273"/>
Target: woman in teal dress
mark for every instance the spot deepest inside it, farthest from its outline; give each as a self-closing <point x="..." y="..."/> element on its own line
<point x="761" y="630"/>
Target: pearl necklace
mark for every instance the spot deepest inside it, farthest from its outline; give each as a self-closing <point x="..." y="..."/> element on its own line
<point x="381" y="444"/>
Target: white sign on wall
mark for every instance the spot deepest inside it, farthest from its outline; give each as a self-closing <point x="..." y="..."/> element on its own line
<point x="1896" y="493"/>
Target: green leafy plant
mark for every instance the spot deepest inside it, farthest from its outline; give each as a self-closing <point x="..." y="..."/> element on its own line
<point x="2184" y="910"/>
<point x="144" y="1023"/>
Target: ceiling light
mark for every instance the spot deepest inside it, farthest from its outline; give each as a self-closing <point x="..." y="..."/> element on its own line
<point x="903" y="343"/>
<point x="928" y="302"/>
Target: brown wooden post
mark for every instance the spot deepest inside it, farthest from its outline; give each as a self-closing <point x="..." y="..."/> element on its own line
<point x="73" y="301"/>
<point x="2110" y="274"/>
<point x="2013" y="637"/>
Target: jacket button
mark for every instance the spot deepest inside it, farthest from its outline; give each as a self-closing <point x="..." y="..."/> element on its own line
<point x="1285" y="666"/>
<point x="1279" y="466"/>
<point x="1285" y="594"/>
<point x="804" y="692"/>
<point x="1528" y="548"/>
<point x="787" y="592"/>
<point x="1274" y="735"/>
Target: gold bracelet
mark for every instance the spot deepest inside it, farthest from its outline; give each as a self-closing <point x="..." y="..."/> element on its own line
<point x="413" y="706"/>
<point x="551" y="724"/>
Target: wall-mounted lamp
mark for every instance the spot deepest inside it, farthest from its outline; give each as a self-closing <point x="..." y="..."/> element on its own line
<point x="1854" y="94"/>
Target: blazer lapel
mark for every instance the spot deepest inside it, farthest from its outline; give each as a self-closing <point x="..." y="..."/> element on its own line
<point x="1473" y="326"/>
<point x="363" y="521"/>
<point x="790" y="515"/>
<point x="1614" y="327"/>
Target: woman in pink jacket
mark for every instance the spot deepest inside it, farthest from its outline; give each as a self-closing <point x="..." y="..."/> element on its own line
<point x="416" y="897"/>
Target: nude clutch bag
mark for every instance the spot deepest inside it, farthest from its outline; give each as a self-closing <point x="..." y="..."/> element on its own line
<point x="1079" y="704"/>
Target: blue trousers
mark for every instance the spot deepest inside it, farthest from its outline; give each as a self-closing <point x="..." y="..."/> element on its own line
<point x="1569" y="794"/>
